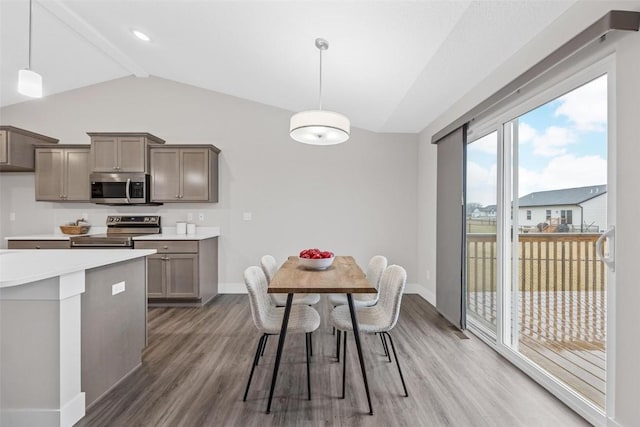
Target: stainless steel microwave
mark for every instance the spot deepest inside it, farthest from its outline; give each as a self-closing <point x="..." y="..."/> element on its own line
<point x="120" y="188"/>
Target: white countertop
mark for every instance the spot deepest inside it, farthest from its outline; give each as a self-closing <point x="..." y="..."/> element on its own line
<point x="18" y="267"/>
<point x="168" y="233"/>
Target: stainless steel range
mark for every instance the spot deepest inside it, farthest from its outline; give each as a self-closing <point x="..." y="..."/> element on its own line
<point x="120" y="232"/>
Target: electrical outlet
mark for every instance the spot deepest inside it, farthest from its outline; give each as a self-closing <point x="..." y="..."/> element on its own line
<point x="201" y="216"/>
<point x="117" y="288"/>
<point x="247" y="216"/>
<point x="190" y="216"/>
<point x="12" y="216"/>
<point x="428" y="274"/>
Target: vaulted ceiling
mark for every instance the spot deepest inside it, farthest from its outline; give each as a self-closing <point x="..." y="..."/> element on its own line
<point x="392" y="66"/>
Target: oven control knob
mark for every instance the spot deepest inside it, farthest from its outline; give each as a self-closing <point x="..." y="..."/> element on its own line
<point x="147" y="219"/>
<point x="117" y="219"/>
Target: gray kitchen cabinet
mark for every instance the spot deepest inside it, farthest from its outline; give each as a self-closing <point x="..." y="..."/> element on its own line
<point x="156" y="277"/>
<point x="39" y="244"/>
<point x="62" y="173"/>
<point x="17" y="148"/>
<point x="184" y="173"/>
<point x="121" y="151"/>
<point x="182" y="271"/>
<point x="172" y="276"/>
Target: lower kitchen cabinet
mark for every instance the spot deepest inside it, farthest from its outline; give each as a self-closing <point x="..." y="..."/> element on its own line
<point x="183" y="271"/>
<point x="172" y="276"/>
<point x="39" y="244"/>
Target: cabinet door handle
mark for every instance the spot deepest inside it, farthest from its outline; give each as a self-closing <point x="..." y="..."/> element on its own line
<point x="177" y="196"/>
<point x="37" y="246"/>
<point x="115" y="168"/>
<point x="165" y="247"/>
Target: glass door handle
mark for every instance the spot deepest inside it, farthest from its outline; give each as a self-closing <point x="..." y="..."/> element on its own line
<point x="609" y="257"/>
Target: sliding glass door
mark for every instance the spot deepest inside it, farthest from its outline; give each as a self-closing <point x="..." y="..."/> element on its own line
<point x="481" y="244"/>
<point x="559" y="204"/>
<point x="537" y="204"/>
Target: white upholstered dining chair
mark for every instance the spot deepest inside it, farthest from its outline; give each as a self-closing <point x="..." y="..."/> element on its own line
<point x="270" y="267"/>
<point x="268" y="319"/>
<point x="375" y="268"/>
<point x="380" y="318"/>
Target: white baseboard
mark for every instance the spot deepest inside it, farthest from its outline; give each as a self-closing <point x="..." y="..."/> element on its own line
<point x="410" y="288"/>
<point x="427" y="295"/>
<point x="68" y="415"/>
<point x="232" y="288"/>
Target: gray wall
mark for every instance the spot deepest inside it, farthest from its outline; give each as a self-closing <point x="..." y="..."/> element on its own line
<point x="357" y="198"/>
<point x="626" y="377"/>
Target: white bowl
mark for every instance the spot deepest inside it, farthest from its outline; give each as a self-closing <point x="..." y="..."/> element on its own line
<point x="316" y="264"/>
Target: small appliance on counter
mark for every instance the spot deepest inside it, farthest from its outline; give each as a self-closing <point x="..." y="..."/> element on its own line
<point x="120" y="232"/>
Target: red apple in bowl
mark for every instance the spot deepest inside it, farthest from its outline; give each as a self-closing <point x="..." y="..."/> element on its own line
<point x="315" y="259"/>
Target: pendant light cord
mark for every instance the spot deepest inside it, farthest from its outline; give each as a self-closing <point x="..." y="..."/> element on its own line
<point x="320" y="94"/>
<point x="30" y="9"/>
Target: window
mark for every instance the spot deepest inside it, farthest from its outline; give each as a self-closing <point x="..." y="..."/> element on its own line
<point x="566" y="216"/>
<point x="528" y="214"/>
<point x="548" y="215"/>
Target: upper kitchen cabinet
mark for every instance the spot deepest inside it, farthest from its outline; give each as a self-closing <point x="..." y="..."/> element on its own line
<point x="62" y="173"/>
<point x="184" y="173"/>
<point x="17" y="148"/>
<point x="121" y="151"/>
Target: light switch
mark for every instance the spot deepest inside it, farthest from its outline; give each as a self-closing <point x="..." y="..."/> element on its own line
<point x="247" y="216"/>
<point x="117" y="288"/>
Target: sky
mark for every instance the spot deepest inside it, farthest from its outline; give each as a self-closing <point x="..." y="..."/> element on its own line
<point x="561" y="144"/>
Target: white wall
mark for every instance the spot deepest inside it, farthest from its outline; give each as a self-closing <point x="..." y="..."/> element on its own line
<point x="357" y="198"/>
<point x="595" y="212"/>
<point x="576" y="19"/>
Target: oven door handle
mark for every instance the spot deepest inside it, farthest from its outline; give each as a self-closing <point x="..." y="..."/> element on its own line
<point x="127" y="195"/>
<point x="100" y="245"/>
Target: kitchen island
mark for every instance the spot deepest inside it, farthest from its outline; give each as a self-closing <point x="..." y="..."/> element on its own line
<point x="72" y="325"/>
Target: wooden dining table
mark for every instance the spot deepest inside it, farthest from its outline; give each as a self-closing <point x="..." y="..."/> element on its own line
<point x="344" y="276"/>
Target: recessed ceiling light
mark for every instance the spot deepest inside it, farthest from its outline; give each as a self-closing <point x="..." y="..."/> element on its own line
<point x="142" y="36"/>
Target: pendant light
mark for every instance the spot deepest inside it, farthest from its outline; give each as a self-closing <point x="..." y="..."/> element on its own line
<point x="30" y="82"/>
<point x="319" y="127"/>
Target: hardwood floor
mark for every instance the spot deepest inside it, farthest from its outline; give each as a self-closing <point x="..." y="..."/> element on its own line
<point x="196" y="366"/>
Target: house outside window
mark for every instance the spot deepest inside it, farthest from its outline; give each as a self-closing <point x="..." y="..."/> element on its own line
<point x="548" y="215"/>
<point x="528" y="214"/>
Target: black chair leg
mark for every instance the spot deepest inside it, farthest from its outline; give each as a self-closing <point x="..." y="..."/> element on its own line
<point x="334" y="331"/>
<point x="308" y="338"/>
<point x="338" y="346"/>
<point x="344" y="363"/>
<point x="311" y="344"/>
<point x="253" y="367"/>
<point x="406" y="393"/>
<point x="386" y="346"/>
<point x="264" y="344"/>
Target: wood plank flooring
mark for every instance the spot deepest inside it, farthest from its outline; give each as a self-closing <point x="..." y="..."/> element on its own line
<point x="564" y="332"/>
<point x="196" y="365"/>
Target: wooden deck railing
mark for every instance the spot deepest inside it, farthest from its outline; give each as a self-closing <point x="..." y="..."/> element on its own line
<point x="561" y="285"/>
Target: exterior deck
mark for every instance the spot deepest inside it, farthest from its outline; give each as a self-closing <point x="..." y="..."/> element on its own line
<point x="561" y="304"/>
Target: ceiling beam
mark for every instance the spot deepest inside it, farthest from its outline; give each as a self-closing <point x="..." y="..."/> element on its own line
<point x="93" y="36"/>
